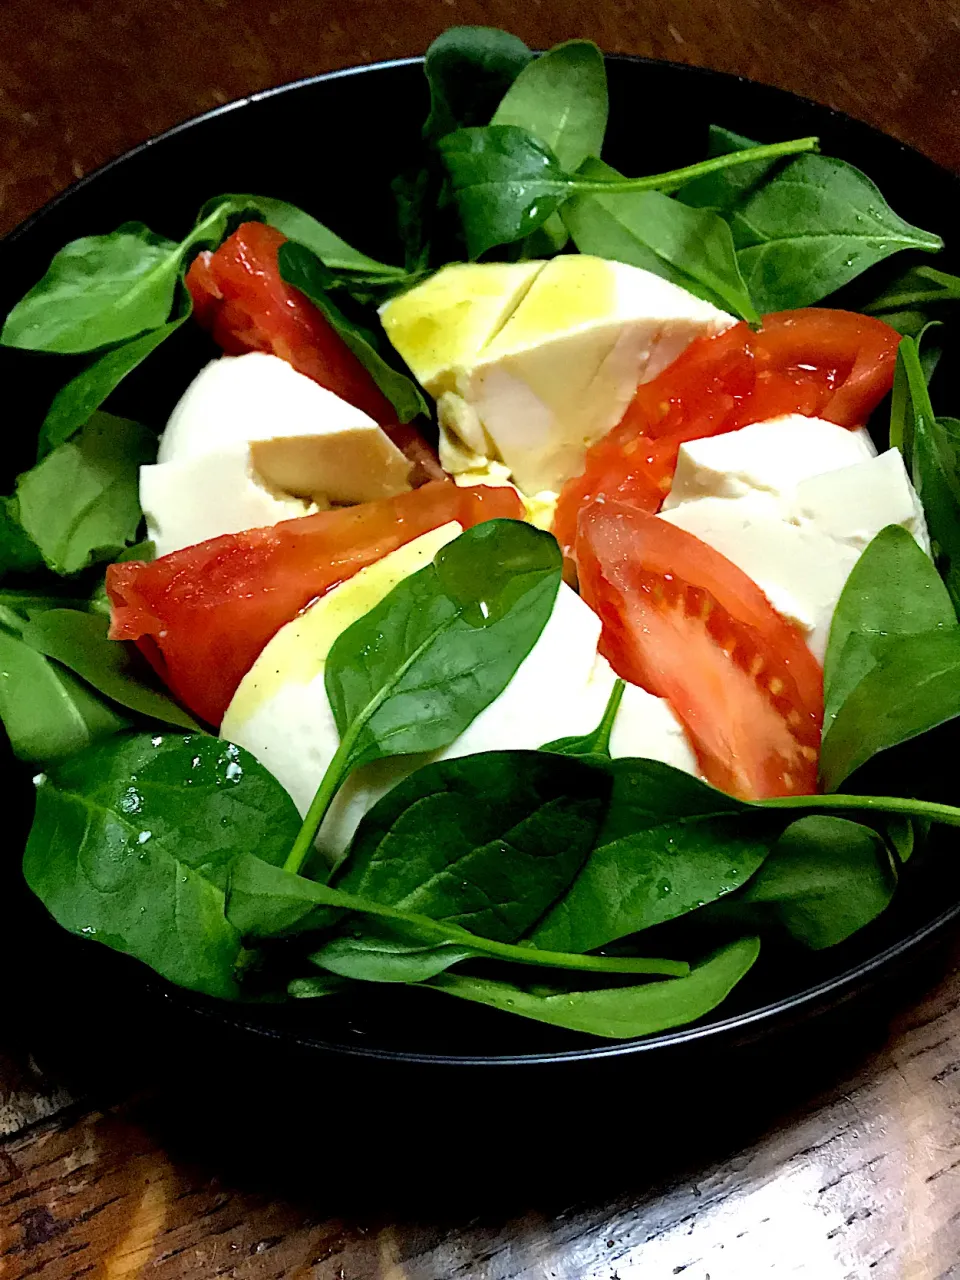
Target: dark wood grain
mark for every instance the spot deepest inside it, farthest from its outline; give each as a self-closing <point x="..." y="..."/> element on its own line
<point x="842" y="1163"/>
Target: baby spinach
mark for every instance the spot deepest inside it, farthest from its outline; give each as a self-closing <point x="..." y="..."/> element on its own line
<point x="506" y="183"/>
<point x="18" y="552"/>
<point x="98" y="291"/>
<point x="893" y="591"/>
<point x="48" y="714"/>
<point x="621" y="1012"/>
<point x="267" y="901"/>
<point x="669" y="844"/>
<point x="692" y="248"/>
<point x="725" y="188"/>
<point x="76" y="402"/>
<point x="412" y="673"/>
<point x="304" y="270"/>
<point x="913" y="299"/>
<point x="80" y="503"/>
<point x="487" y="842"/>
<point x="825" y="879"/>
<point x="79" y="641"/>
<point x="133" y="841"/>
<point x="914" y="686"/>
<point x="468" y="70"/>
<point x="803" y="229"/>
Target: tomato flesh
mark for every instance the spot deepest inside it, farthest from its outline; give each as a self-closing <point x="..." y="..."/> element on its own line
<point x="816" y="361"/>
<point x="239" y="296"/>
<point x="684" y="623"/>
<point x="202" y="615"/>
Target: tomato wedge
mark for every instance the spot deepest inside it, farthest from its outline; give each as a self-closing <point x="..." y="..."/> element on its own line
<point x="816" y="361"/>
<point x="239" y="296"/>
<point x="686" y="624"/>
<point x="202" y="615"/>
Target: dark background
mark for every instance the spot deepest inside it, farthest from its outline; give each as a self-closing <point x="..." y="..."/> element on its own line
<point x="81" y="82"/>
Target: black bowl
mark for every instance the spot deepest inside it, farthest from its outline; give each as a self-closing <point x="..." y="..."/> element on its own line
<point x="331" y="144"/>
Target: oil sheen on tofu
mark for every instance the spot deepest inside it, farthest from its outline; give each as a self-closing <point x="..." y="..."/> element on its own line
<point x="793" y="502"/>
<point x="282" y="715"/>
<point x="253" y="442"/>
<point x="528" y="378"/>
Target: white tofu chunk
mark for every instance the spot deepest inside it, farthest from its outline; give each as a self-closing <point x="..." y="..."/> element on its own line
<point x="281" y="714"/>
<point x="852" y="504"/>
<point x="303" y="439"/>
<point x="799" y="569"/>
<point x="768" y="457"/>
<point x="193" y="499"/>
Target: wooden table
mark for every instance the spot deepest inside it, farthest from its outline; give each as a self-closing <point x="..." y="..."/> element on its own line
<point x="835" y="1158"/>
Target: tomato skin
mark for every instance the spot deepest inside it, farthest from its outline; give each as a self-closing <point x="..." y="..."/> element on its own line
<point x="816" y="361"/>
<point x="684" y="623"/>
<point x="201" y="616"/>
<point x="239" y="296"/>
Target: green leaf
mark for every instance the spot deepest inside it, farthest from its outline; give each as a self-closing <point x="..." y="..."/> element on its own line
<point x="80" y="504"/>
<point x="596" y="744"/>
<point x="18" y="552"/>
<point x="618" y="1013"/>
<point x="505" y="182"/>
<point x="98" y="291"/>
<point x="414" y="672"/>
<point x="726" y="188"/>
<point x="469" y="69"/>
<point x="79" y="641"/>
<point x="47" y="713"/>
<point x="893" y="591"/>
<point x="913" y="299"/>
<point x="266" y="901"/>
<point x="825" y="879"/>
<point x="396" y="953"/>
<point x="133" y="841"/>
<point x="816" y="224"/>
<point x="692" y="248"/>
<point x="75" y="403"/>
<point x="914" y="687"/>
<point x="302" y="269"/>
<point x="487" y="842"/>
<point x="669" y="844"/>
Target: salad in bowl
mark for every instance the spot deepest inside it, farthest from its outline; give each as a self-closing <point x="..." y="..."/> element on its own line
<point x="537" y="620"/>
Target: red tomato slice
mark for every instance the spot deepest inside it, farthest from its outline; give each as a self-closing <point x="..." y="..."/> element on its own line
<point x="239" y="296"/>
<point x="686" y="624"/>
<point x="202" y="615"/>
<point x="818" y="362"/>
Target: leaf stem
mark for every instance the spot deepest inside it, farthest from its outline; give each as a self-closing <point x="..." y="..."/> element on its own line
<point x="945" y="813"/>
<point x="673" y="179"/>
<point x="329" y="786"/>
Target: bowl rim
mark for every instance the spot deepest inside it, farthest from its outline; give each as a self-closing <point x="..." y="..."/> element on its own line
<point x="805" y="1002"/>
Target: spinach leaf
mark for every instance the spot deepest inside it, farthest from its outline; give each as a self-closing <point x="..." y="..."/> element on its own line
<point x="931" y="450"/>
<point x="561" y="98"/>
<point x="48" y="713"/>
<point x="395" y="954"/>
<point x="506" y="183"/>
<point x="79" y="641"/>
<point x="692" y="248"/>
<point x="726" y="188"/>
<point x="18" y="552"/>
<point x="80" y="504"/>
<point x="267" y="901"/>
<point x="668" y="845"/>
<point x="487" y="842"/>
<point x="98" y="291"/>
<point x="825" y="879"/>
<point x="304" y="270"/>
<point x="618" y="1013"/>
<point x="595" y="744"/>
<point x="133" y="841"/>
<point x="75" y="403"/>
<point x="412" y="673"/>
<point x="469" y="69"/>
<point x="893" y="591"/>
<point x="807" y="228"/>
<point x="916" y="297"/>
<point x="914" y="686"/>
